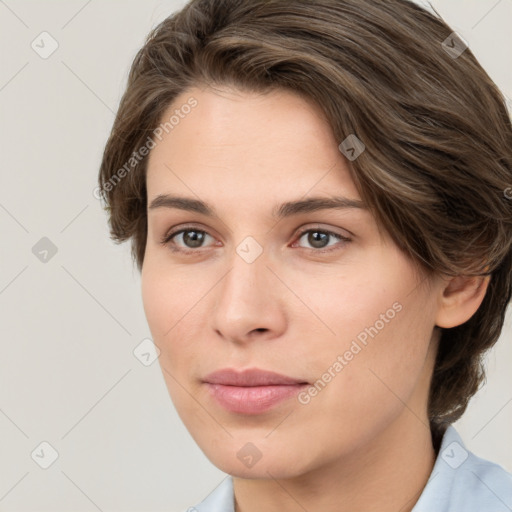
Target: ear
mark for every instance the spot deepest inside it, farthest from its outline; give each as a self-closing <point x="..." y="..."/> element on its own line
<point x="459" y="299"/>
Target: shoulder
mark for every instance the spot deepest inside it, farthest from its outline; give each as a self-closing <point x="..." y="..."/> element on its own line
<point x="484" y="485"/>
<point x="461" y="480"/>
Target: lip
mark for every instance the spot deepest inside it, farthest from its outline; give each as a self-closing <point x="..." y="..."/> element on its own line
<point x="250" y="377"/>
<point x="251" y="391"/>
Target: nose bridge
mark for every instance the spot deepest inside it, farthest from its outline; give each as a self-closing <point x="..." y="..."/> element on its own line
<point x="246" y="281"/>
<point x="245" y="299"/>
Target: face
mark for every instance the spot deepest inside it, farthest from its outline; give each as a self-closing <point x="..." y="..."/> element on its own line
<point x="233" y="280"/>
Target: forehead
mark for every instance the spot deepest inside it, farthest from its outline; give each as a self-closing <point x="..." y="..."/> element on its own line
<point x="241" y="145"/>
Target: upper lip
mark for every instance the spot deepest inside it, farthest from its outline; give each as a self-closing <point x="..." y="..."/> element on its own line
<point x="250" y="377"/>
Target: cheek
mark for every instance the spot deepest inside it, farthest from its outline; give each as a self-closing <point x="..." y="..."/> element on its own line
<point x="166" y="308"/>
<point x="382" y="329"/>
<point x="174" y="312"/>
<point x="378" y="384"/>
<point x="345" y="304"/>
<point x="157" y="298"/>
<point x="167" y="294"/>
<point x="382" y="372"/>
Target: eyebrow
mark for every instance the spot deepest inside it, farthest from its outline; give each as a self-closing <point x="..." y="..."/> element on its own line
<point x="280" y="211"/>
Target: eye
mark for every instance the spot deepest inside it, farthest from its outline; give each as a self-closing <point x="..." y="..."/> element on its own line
<point x="319" y="239"/>
<point x="188" y="240"/>
<point x="185" y="240"/>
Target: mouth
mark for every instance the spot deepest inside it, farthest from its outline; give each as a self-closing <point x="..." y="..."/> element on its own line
<point x="251" y="391"/>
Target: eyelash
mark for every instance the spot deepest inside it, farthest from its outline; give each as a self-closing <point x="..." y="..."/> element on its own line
<point x="167" y="239"/>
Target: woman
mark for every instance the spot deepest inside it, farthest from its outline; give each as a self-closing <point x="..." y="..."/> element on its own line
<point x="318" y="209"/>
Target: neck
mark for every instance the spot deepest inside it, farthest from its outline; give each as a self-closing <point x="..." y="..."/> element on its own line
<point x="389" y="474"/>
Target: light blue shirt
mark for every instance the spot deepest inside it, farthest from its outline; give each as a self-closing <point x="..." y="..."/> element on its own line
<point x="460" y="482"/>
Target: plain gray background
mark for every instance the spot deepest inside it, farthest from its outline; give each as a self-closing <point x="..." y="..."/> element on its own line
<point x="70" y="324"/>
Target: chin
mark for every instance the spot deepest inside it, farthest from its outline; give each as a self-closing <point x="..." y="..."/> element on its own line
<point x="245" y="459"/>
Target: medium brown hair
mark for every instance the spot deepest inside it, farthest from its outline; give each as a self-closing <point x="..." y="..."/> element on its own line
<point x="437" y="133"/>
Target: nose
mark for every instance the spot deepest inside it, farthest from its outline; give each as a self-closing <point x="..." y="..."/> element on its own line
<point x="249" y="302"/>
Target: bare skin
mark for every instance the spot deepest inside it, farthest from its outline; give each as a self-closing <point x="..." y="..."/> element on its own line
<point x="363" y="441"/>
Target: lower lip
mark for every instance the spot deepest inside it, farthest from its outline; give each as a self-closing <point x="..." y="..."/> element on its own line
<point x="254" y="399"/>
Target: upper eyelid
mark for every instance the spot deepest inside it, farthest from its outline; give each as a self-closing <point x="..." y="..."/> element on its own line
<point x="173" y="232"/>
<point x="300" y="230"/>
